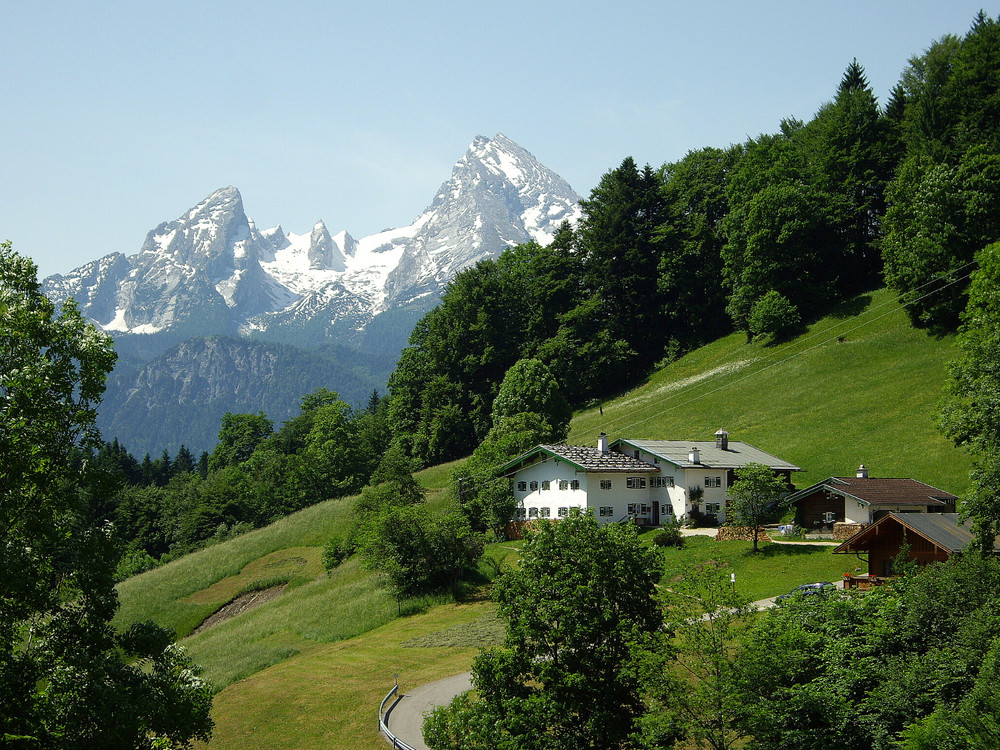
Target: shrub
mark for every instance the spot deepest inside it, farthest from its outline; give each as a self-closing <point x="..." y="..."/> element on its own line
<point x="134" y="562"/>
<point x="669" y="535"/>
<point x="698" y="520"/>
<point x="336" y="551"/>
<point x="773" y="315"/>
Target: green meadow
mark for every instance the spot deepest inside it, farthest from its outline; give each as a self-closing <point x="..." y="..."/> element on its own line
<point x="308" y="669"/>
<point x="775" y="569"/>
<point x="860" y="386"/>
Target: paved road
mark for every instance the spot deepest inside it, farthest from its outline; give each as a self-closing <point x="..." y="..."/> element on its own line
<point x="407" y="718"/>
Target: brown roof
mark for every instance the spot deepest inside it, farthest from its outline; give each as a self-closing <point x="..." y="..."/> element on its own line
<point x="584" y="458"/>
<point x="882" y="491"/>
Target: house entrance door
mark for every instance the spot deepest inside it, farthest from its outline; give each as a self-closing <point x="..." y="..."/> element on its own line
<point x="656" y="513"/>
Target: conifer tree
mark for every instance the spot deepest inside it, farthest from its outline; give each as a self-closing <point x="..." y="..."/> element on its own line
<point x="183" y="461"/>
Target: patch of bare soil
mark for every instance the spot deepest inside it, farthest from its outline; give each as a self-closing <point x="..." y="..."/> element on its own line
<point x="239" y="605"/>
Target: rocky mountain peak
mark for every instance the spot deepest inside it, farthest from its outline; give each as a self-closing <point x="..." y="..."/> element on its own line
<point x="324" y="254"/>
<point x="204" y="237"/>
<point x="346" y="243"/>
<point x="499" y="195"/>
<point x="212" y="271"/>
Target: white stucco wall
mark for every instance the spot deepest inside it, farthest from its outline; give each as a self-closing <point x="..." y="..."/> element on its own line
<point x="620" y="498"/>
<point x="855" y="512"/>
<point x="552" y="499"/>
<point x="672" y="498"/>
<point x="696" y="477"/>
<point x="676" y="498"/>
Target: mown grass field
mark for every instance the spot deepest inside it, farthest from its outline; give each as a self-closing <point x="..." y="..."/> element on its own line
<point x="164" y="595"/>
<point x="308" y="669"/>
<point x="328" y="695"/>
<point x="775" y="569"/>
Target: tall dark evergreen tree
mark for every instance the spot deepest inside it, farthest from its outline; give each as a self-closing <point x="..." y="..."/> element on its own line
<point x="183" y="461"/>
<point x="856" y="163"/>
<point x="690" y="242"/>
<point x="929" y="123"/>
<point x="621" y="256"/>
<point x="163" y="468"/>
<point x="972" y="91"/>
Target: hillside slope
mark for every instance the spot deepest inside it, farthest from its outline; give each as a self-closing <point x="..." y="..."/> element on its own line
<point x="860" y="386"/>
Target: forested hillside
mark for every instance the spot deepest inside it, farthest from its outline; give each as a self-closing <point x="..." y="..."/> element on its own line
<point x="758" y="237"/>
<point x="178" y="396"/>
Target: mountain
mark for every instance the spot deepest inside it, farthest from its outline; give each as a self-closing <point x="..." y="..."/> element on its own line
<point x="211" y="272"/>
<point x="180" y="396"/>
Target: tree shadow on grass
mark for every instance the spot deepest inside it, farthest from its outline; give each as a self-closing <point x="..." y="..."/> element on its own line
<point x="787" y="550"/>
<point x="850" y="308"/>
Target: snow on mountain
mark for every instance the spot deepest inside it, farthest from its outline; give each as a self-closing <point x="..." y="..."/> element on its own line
<point x="212" y="272"/>
<point x="498" y="195"/>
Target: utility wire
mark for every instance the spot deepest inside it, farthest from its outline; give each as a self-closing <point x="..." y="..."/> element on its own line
<point x="616" y="423"/>
<point x="896" y="299"/>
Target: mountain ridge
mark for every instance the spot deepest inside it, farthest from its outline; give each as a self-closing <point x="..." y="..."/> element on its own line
<point x="211" y="272"/>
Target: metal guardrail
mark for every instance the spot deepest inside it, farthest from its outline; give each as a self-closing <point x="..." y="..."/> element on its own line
<point x="397" y="743"/>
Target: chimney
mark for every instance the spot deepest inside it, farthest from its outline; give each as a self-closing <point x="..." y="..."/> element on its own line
<point x="862" y="472"/>
<point x="695" y="455"/>
<point x="722" y="440"/>
<point x="602" y="442"/>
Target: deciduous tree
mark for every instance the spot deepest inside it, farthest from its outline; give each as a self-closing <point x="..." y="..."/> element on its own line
<point x="756" y="491"/>
<point x="691" y="676"/>
<point x="529" y="386"/>
<point x="67" y="679"/>
<point x="417" y="552"/>
<point x="970" y="413"/>
<point x="575" y="607"/>
<point x="239" y="436"/>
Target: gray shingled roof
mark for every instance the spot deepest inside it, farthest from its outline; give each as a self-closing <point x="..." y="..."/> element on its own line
<point x="584" y="458"/>
<point x="738" y="454"/>
<point x="943" y="529"/>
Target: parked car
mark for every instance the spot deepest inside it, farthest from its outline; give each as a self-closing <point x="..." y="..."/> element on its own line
<point x="822" y="588"/>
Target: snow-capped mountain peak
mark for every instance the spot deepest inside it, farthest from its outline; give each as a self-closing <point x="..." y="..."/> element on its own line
<point x="324" y="254"/>
<point x="211" y="270"/>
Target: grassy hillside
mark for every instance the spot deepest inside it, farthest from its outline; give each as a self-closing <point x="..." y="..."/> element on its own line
<point x="308" y="668"/>
<point x="860" y="387"/>
<point x="327" y="697"/>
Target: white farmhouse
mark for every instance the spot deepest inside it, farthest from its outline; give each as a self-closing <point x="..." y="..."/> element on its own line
<point x="646" y="480"/>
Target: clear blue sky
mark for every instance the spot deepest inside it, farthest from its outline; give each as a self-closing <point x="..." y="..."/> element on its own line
<point x="119" y="116"/>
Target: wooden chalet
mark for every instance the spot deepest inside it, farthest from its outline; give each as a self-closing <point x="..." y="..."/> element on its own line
<point x="932" y="537"/>
<point x="852" y="502"/>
